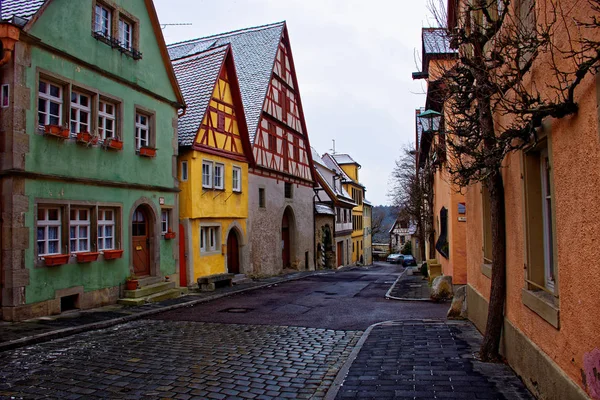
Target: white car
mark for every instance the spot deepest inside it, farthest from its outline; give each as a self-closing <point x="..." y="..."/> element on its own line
<point x="395" y="259"/>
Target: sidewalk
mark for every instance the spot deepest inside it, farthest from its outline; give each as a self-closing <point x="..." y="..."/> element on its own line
<point x="18" y="334"/>
<point x="410" y="288"/>
<point x="423" y="359"/>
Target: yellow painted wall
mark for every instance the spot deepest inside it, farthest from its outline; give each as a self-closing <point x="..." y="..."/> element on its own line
<point x="351" y="170"/>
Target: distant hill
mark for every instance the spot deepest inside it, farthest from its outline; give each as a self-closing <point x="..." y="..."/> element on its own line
<point x="388" y="215"/>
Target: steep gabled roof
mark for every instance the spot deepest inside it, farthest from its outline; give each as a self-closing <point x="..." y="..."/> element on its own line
<point x="342" y="159"/>
<point x="332" y="163"/>
<point x="254" y="50"/>
<point x="197" y="76"/>
<point x="20" y="12"/>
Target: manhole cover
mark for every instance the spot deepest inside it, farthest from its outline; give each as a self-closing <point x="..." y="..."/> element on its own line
<point x="237" y="310"/>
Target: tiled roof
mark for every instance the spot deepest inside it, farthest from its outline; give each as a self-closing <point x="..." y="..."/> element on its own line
<point x="197" y="76"/>
<point x="21" y="9"/>
<point x="254" y="52"/>
<point x="436" y="41"/>
<point x="324" y="209"/>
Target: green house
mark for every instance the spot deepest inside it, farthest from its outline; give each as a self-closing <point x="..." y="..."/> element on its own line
<point x="88" y="147"/>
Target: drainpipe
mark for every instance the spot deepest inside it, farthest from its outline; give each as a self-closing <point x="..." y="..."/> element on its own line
<point x="314" y="229"/>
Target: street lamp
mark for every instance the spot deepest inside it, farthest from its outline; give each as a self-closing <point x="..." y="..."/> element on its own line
<point x="430" y="121"/>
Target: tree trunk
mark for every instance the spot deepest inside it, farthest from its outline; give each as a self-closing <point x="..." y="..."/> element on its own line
<point x="491" y="340"/>
<point x="432" y="244"/>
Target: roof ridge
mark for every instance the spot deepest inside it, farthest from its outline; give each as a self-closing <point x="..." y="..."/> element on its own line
<point x="201" y="54"/>
<point x="230" y="33"/>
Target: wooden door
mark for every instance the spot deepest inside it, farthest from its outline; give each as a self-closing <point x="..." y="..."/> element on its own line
<point x="340" y="254"/>
<point x="182" y="260"/>
<point x="285" y="241"/>
<point x="140" y="242"/>
<point x="233" y="255"/>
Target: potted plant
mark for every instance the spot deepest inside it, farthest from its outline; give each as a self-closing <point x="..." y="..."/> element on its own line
<point x="131" y="283"/>
<point x="170" y="235"/>
<point x="57" y="131"/>
<point x="88" y="256"/>
<point x="56" y="259"/>
<point x="113" y="143"/>
<point x="87" y="138"/>
<point x="112" y="254"/>
<point x="147" y="151"/>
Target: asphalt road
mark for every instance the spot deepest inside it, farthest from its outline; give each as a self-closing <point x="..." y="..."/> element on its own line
<point x="351" y="300"/>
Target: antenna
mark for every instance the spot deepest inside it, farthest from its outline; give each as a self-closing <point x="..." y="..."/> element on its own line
<point x="333" y="150"/>
<point x="163" y="26"/>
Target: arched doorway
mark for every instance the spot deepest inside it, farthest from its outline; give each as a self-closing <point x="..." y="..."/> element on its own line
<point x="140" y="241"/>
<point x="233" y="253"/>
<point x="287" y="224"/>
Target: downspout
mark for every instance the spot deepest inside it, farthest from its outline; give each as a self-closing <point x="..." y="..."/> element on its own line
<point x="314" y="232"/>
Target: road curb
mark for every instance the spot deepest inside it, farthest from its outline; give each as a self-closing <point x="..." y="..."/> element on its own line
<point x="390" y="297"/>
<point x="61" y="333"/>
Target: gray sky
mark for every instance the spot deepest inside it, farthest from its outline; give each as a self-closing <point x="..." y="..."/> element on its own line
<point x="353" y="58"/>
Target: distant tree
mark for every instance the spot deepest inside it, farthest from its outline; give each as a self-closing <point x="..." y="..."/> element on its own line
<point x="377" y="220"/>
<point x="407" y="248"/>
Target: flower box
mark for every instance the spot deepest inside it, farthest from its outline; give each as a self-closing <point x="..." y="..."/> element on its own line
<point x="114" y="143"/>
<point x="112" y="254"/>
<point x="87" y="138"/>
<point x="147" y="151"/>
<point x="87" y="257"/>
<point x="170" y="235"/>
<point x="56" y="259"/>
<point x="56" y="131"/>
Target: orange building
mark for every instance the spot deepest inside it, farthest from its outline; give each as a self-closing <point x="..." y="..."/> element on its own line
<point x="551" y="326"/>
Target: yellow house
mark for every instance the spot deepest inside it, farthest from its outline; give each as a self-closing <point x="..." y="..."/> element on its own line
<point x="348" y="168"/>
<point x="214" y="153"/>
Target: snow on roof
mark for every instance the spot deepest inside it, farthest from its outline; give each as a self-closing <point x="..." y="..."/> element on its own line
<point x="324" y="209"/>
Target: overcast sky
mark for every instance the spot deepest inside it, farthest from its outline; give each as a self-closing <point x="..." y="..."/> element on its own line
<point x="353" y="58"/>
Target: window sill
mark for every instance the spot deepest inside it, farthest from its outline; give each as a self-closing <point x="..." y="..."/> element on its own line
<point x="543" y="304"/>
<point x="116" y="44"/>
<point x="210" y="253"/>
<point x="486" y="269"/>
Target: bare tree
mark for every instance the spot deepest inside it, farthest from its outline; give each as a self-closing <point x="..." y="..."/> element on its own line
<point x="496" y="105"/>
<point x="377" y="220"/>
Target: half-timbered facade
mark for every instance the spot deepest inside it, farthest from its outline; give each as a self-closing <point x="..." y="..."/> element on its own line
<point x="213" y="166"/>
<point x="280" y="212"/>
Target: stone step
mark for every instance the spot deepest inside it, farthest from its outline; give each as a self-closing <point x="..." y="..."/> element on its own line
<point x="240" y="279"/>
<point x="150" y="280"/>
<point x="145" y="291"/>
<point x="167" y="294"/>
<point x="132" y="302"/>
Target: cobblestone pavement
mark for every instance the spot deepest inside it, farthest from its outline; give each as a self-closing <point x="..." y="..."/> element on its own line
<point x="427" y="360"/>
<point x="179" y="360"/>
<point x="410" y="287"/>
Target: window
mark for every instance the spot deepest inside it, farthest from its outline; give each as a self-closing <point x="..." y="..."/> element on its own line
<point x="142" y="131"/>
<point x="296" y="149"/>
<point x="79" y="230"/>
<point x="184" y="171"/>
<point x="80" y="112"/>
<point x="207" y="167"/>
<point x="102" y="21"/>
<point x="218" y="175"/>
<point x="288" y="190"/>
<point x="48" y="230"/>
<point x="50" y="102"/>
<point x="164" y="221"/>
<point x="210" y="238"/>
<point x="487" y="224"/>
<point x="272" y="141"/>
<point x="5" y="96"/>
<point x="236" y="177"/>
<point x="107" y="115"/>
<point x="125" y="34"/>
<point x="261" y="197"/>
<point x="220" y="121"/>
<point x="106" y="229"/>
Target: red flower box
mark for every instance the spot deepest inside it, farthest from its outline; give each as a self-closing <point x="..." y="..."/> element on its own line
<point x="56" y="131"/>
<point x="114" y="143"/>
<point x="87" y="138"/>
<point x="112" y="254"/>
<point x="147" y="151"/>
<point x="56" y="259"/>
<point x="170" y="235"/>
<point x="87" y="257"/>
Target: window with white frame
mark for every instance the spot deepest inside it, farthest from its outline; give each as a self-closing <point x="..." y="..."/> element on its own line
<point x="107" y="116"/>
<point x="164" y="221"/>
<point x="184" y="171"/>
<point x="207" y="168"/>
<point x="142" y="130"/>
<point x="48" y="230"/>
<point x="209" y="238"/>
<point x="219" y="170"/>
<point x="81" y="112"/>
<point x="103" y="20"/>
<point x="106" y="229"/>
<point x="125" y="34"/>
<point x="236" y="178"/>
<point x="79" y="230"/>
<point x="50" y="103"/>
<point x="549" y="274"/>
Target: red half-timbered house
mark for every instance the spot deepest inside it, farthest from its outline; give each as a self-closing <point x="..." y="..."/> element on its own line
<point x="280" y="211"/>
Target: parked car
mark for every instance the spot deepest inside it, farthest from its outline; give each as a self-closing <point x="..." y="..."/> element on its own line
<point x="395" y="259"/>
<point x="409" y="261"/>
